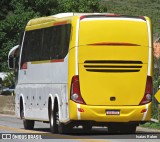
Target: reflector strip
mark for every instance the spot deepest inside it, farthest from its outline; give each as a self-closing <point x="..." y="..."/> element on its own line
<point x="24" y="66"/>
<point x="57" y="60"/>
<point x="47" y="61"/>
<point x="144" y="110"/>
<point x="80" y="109"/>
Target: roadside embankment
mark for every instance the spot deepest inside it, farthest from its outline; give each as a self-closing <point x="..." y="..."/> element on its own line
<point x="7" y="105"/>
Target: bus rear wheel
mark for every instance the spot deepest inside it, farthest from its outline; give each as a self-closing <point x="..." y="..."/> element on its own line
<point x="28" y="124"/>
<point x="53" y="120"/>
<point x="55" y="125"/>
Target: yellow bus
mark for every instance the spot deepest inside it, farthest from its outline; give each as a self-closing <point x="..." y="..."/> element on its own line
<point x="92" y="69"/>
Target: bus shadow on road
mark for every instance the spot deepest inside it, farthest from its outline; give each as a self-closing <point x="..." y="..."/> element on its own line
<point x="93" y="132"/>
<point x="78" y="131"/>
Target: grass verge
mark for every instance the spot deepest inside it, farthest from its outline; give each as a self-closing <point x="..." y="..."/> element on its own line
<point x="152" y="125"/>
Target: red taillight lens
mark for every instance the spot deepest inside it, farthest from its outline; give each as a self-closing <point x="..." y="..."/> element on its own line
<point x="149" y="85"/>
<point x="148" y="91"/>
<point x="75" y="90"/>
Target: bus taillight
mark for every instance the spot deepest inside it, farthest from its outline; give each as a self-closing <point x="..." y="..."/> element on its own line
<point x="75" y="90"/>
<point x="148" y="91"/>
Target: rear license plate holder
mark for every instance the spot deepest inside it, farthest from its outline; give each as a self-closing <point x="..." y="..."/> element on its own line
<point x="112" y="112"/>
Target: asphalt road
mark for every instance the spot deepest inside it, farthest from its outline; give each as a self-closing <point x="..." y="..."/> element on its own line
<point x="11" y="127"/>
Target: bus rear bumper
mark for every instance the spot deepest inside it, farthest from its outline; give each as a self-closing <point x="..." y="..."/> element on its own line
<point x="141" y="113"/>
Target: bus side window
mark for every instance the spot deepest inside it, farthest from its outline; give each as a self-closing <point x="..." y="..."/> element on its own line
<point x="47" y="48"/>
<point x="62" y="40"/>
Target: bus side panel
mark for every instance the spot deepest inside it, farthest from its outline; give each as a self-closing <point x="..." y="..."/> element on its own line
<point x="37" y="83"/>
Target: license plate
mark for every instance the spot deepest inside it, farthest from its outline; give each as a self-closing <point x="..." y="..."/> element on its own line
<point x="112" y="112"/>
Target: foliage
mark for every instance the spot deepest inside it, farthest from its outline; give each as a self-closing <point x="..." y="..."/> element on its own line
<point x="5" y="8"/>
<point x="80" y="6"/>
<point x="154" y="113"/>
<point x="152" y="125"/>
<point x="9" y="80"/>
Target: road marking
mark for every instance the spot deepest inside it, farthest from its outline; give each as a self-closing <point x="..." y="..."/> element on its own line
<point x="18" y="130"/>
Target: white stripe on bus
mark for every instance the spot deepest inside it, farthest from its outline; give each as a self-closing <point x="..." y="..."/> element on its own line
<point x="76" y="48"/>
<point x="150" y="49"/>
<point x="145" y="114"/>
<point x="78" y="113"/>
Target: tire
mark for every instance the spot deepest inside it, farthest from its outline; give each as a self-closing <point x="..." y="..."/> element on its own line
<point x="21" y="109"/>
<point x="53" y="120"/>
<point x="28" y="124"/>
<point x="22" y="113"/>
<point x="55" y="125"/>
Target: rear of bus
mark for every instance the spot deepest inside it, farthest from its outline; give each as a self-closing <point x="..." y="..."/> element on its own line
<point x="113" y="84"/>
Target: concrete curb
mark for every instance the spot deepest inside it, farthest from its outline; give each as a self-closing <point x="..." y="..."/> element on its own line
<point x="7" y="105"/>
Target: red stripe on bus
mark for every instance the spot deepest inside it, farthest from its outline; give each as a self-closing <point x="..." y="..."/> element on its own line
<point x="57" y="60"/>
<point x="114" y="44"/>
<point x="60" y="23"/>
<point x="24" y="66"/>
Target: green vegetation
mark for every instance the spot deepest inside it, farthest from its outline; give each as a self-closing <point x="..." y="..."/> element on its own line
<point x="151" y="125"/>
<point x="9" y="80"/>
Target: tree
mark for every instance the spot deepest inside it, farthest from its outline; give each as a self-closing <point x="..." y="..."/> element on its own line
<point x="5" y="9"/>
<point x="80" y="6"/>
